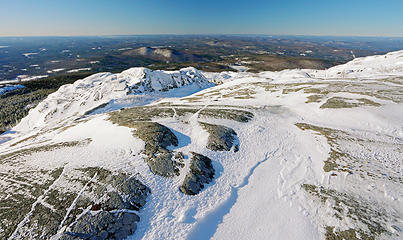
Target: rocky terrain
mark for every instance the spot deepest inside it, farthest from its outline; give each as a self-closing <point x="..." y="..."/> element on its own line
<point x="295" y="154"/>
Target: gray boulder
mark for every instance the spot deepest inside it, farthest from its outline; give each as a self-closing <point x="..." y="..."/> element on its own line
<point x="220" y="138"/>
<point x="201" y="173"/>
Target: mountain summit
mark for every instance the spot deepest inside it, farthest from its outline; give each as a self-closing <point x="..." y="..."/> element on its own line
<point x="72" y="101"/>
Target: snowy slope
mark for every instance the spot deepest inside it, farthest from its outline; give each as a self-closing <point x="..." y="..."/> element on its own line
<point x="72" y="101"/>
<point x="320" y="152"/>
<point x="389" y="64"/>
<point x="370" y="67"/>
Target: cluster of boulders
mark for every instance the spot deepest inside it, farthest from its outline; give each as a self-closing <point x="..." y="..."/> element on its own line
<point x="162" y="161"/>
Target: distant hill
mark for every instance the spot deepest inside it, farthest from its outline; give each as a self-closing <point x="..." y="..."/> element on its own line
<point x="163" y="54"/>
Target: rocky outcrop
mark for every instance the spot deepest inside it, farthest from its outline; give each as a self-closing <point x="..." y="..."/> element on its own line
<point x="147" y="113"/>
<point x="103" y="225"/>
<point x="83" y="203"/>
<point x="157" y="138"/>
<point x="220" y="138"/>
<point x="201" y="172"/>
<point x="111" y="216"/>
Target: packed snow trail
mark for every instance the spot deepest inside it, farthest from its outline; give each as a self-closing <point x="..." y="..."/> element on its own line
<point x="263" y="200"/>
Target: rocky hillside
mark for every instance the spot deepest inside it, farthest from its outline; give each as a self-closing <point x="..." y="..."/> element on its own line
<point x="295" y="154"/>
<point x="72" y="101"/>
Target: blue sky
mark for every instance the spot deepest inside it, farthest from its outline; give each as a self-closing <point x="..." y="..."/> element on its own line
<point x="294" y="17"/>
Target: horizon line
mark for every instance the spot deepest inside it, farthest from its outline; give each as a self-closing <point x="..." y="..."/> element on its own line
<point x="206" y="34"/>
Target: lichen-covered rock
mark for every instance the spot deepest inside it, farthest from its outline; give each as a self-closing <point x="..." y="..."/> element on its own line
<point x="83" y="203"/>
<point x="201" y="173"/>
<point x="220" y="138"/>
<point x="161" y="163"/>
<point x="127" y="116"/>
<point x="134" y="192"/>
<point x="109" y="217"/>
<point x="157" y="138"/>
<point x="102" y="225"/>
<point x="155" y="134"/>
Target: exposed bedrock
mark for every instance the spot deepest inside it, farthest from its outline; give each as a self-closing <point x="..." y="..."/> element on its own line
<point x="221" y="138"/>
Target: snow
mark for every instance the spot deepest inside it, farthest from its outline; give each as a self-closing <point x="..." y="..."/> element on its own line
<point x="55" y="70"/>
<point x="79" y="70"/>
<point x="23" y="78"/>
<point x="29" y="54"/>
<point x="371" y="66"/>
<point x="239" y="68"/>
<point x="101" y="139"/>
<point x="124" y="49"/>
<point x="256" y="192"/>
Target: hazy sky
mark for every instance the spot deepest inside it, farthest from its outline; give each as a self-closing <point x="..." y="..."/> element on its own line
<point x="111" y="17"/>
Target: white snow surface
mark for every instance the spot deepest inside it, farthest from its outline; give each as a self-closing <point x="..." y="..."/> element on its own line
<point x="380" y="65"/>
<point x="78" y="70"/>
<point x="55" y="70"/>
<point x="256" y="192"/>
<point x="24" y="78"/>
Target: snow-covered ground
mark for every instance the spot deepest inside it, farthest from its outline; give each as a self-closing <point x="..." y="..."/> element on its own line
<point x="28" y="55"/>
<point x="55" y="70"/>
<point x="322" y="156"/>
<point x="78" y="70"/>
<point x="23" y="78"/>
